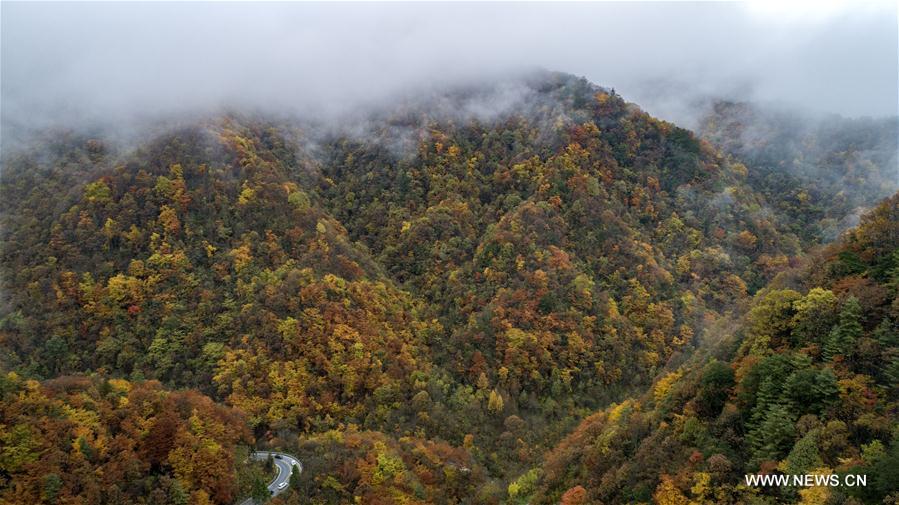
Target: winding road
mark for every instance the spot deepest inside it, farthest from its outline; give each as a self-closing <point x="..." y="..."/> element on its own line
<point x="285" y="463"/>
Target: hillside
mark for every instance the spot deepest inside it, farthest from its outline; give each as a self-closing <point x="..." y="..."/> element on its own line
<point x="819" y="172"/>
<point x="440" y="281"/>
<point x="79" y="440"/>
<point x="812" y="386"/>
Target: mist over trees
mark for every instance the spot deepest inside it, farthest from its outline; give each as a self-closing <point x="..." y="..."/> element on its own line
<point x="385" y="240"/>
<point x="826" y="167"/>
<point x="457" y="278"/>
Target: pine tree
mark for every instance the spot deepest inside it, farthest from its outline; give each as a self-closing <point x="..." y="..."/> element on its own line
<point x="843" y="336"/>
<point x="771" y="439"/>
<point x="891" y="372"/>
<point x="51" y="487"/>
<point x="804" y="456"/>
<point x="295" y="478"/>
<point x="771" y="373"/>
<point x="886" y="334"/>
<point x="810" y="390"/>
<point x="259" y="490"/>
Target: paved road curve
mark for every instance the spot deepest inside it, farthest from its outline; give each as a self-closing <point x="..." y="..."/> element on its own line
<point x="285" y="463"/>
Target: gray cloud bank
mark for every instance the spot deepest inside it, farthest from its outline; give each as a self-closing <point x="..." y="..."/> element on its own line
<point x="67" y="62"/>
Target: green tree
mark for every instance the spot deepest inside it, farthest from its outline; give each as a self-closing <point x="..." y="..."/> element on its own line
<point x="259" y="489"/>
<point x="810" y="390"/>
<point x="770" y="319"/>
<point x="891" y="372"/>
<point x="886" y="333"/>
<point x="774" y="436"/>
<point x="56" y="351"/>
<point x="842" y="337"/>
<point x="295" y="478"/>
<point x="815" y="314"/>
<point x="886" y="471"/>
<point x="51" y="487"/>
<point x="19" y="447"/>
<point x="176" y="493"/>
<point x="804" y="456"/>
<point x="763" y="385"/>
<point x="717" y="380"/>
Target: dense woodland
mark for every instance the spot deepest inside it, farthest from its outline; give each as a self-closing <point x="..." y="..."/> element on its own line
<point x="98" y="440"/>
<point x="819" y="172"/>
<point x="422" y="306"/>
<point x="808" y="383"/>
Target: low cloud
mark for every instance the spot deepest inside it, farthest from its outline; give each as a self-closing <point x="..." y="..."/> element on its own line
<point x="72" y="62"/>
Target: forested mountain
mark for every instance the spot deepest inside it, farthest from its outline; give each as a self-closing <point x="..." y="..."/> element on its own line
<point x="419" y="300"/>
<point x="98" y="440"/>
<point x="809" y="383"/>
<point x="817" y="171"/>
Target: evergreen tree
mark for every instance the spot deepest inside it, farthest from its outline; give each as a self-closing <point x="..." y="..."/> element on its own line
<point x="804" y="456"/>
<point x="259" y="491"/>
<point x="772" y="438"/>
<point x="886" y="333"/>
<point x="295" y="478"/>
<point x="886" y="471"/>
<point x="765" y="384"/>
<point x="52" y="485"/>
<point x="891" y="372"/>
<point x="809" y="391"/>
<point x="842" y="337"/>
<point x="717" y="379"/>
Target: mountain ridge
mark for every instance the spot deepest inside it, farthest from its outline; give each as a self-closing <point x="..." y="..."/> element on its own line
<point x="419" y="283"/>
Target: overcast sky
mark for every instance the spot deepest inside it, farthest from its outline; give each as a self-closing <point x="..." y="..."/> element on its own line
<point x="65" y="62"/>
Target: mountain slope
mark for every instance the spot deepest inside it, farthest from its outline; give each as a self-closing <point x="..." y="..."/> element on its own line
<point x="811" y="388"/>
<point x="819" y="173"/>
<point x="197" y="260"/>
<point x="536" y="221"/>
<point x="441" y="271"/>
<point x="76" y="440"/>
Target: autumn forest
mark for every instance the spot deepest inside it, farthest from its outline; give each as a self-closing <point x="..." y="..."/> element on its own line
<point x="566" y="301"/>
